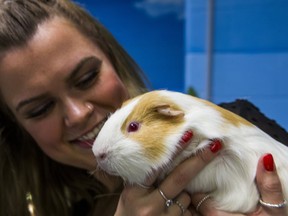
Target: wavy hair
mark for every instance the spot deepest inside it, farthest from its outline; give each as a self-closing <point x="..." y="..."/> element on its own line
<point x="24" y="168"/>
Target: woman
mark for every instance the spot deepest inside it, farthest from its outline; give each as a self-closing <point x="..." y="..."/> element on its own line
<point x="61" y="74"/>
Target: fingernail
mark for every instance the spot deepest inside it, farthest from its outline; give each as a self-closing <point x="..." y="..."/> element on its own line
<point x="215" y="145"/>
<point x="187" y="136"/>
<point x="268" y="162"/>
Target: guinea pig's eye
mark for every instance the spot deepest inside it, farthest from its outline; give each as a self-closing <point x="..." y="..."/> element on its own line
<point x="133" y="127"/>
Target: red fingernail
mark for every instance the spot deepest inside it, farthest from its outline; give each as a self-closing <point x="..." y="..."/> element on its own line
<point x="187" y="136"/>
<point x="215" y="145"/>
<point x="268" y="162"/>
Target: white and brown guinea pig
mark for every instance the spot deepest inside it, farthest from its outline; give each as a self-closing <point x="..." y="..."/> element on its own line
<point x="144" y="134"/>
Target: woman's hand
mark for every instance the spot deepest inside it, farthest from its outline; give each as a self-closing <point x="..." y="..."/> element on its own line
<point x="269" y="187"/>
<point x="137" y="200"/>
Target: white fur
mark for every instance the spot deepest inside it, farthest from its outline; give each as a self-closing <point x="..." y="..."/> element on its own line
<point x="229" y="178"/>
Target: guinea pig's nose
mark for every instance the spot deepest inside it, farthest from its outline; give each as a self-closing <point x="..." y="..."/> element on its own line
<point x="102" y="156"/>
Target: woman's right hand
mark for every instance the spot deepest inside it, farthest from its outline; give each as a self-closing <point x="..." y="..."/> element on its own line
<point x="269" y="187"/>
<point x="136" y="200"/>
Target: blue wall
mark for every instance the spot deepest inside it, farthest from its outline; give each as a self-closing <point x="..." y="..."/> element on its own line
<point x="249" y="52"/>
<point x="151" y="31"/>
<point x="248" y="44"/>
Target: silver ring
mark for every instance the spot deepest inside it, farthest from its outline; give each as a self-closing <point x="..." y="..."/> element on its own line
<point x="202" y="201"/>
<point x="270" y="205"/>
<point x="168" y="202"/>
<point x="180" y="206"/>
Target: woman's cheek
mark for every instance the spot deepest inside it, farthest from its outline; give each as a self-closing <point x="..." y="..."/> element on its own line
<point x="118" y="89"/>
<point x="46" y="133"/>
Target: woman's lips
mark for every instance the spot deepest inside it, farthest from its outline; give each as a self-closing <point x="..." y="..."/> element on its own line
<point x="87" y="144"/>
<point x="87" y="140"/>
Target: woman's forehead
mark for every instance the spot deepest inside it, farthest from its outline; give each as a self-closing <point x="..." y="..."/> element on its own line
<point x="53" y="51"/>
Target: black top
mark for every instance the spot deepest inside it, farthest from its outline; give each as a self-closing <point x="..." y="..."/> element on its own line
<point x="251" y="113"/>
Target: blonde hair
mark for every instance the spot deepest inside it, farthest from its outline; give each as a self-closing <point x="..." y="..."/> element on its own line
<point x="24" y="168"/>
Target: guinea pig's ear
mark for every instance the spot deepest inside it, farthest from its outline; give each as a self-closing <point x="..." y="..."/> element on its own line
<point x="167" y="110"/>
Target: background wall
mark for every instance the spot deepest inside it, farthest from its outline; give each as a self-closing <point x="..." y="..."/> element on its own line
<point x="239" y="49"/>
<point x="152" y="31"/>
<point x="224" y="49"/>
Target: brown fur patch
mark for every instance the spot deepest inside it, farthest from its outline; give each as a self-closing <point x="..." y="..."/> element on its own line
<point x="154" y="127"/>
<point x="230" y="117"/>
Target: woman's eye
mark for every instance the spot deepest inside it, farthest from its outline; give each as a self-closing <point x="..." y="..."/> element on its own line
<point x="87" y="79"/>
<point x="40" y="111"/>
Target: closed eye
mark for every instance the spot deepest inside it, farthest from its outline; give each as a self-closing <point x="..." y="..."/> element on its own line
<point x="85" y="74"/>
<point x="87" y="79"/>
<point x="41" y="110"/>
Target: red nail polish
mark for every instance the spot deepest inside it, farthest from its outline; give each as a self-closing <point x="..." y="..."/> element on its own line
<point x="187" y="136"/>
<point x="268" y="162"/>
<point x="215" y="145"/>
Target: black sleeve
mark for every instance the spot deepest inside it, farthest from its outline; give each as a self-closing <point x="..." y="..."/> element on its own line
<point x="251" y="113"/>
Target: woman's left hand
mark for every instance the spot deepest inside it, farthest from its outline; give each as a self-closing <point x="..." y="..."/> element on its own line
<point x="269" y="187"/>
<point x="138" y="200"/>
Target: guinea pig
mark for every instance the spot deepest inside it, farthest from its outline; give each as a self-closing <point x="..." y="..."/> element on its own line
<point x="144" y="134"/>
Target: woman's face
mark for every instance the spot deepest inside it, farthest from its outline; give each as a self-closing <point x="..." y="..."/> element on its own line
<point x="61" y="87"/>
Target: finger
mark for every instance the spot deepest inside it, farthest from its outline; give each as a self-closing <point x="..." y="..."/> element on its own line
<point x="186" y="171"/>
<point x="146" y="187"/>
<point x="181" y="204"/>
<point x="202" y="203"/>
<point x="137" y="190"/>
<point x="267" y="179"/>
<point x="150" y="180"/>
<point x="269" y="184"/>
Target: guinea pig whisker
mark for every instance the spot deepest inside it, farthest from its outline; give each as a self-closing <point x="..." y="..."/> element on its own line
<point x="97" y="169"/>
<point x="92" y="172"/>
<point x="102" y="173"/>
<point x="88" y="143"/>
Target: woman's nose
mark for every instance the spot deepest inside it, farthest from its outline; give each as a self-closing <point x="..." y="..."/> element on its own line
<point x="76" y="112"/>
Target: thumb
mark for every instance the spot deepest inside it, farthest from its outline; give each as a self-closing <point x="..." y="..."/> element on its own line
<point x="269" y="186"/>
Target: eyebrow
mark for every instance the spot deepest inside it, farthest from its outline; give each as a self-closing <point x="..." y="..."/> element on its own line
<point x="73" y="74"/>
<point x="30" y="100"/>
<point x="78" y="67"/>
